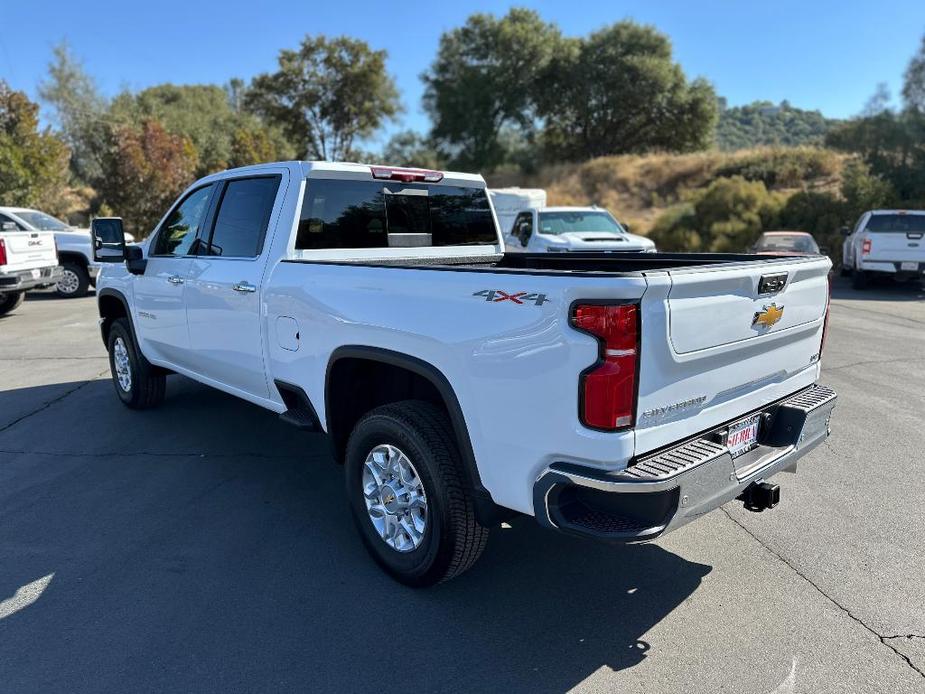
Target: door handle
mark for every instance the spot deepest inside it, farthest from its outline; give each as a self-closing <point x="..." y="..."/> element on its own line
<point x="175" y="279"/>
<point x="244" y="287"/>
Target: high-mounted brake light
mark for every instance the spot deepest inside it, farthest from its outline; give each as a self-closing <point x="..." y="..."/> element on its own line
<point x="607" y="390"/>
<point x="389" y="173"/>
<point x="2" y="252"/>
<point x="865" y="247"/>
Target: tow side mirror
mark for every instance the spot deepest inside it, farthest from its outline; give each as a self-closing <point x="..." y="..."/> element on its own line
<point x="626" y="228"/>
<point x="845" y="231"/>
<point x="108" y="239"/>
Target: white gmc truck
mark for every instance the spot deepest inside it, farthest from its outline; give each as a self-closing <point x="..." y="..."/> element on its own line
<point x="611" y="396"/>
<point x="28" y="260"/>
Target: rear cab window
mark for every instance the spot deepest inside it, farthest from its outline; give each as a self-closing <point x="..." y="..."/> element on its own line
<point x="355" y="214"/>
<point x="896" y="224"/>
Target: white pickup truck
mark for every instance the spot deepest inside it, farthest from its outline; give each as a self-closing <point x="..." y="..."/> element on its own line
<point x="75" y="249"/>
<point x="885" y="243"/>
<point x="27" y="260"/>
<point x="615" y="396"/>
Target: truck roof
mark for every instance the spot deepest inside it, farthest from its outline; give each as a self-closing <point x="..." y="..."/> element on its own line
<point x="320" y="169"/>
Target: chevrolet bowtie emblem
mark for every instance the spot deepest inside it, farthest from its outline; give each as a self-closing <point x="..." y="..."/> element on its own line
<point x="769" y="316"/>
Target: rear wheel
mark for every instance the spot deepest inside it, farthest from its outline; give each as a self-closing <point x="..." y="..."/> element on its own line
<point x="74" y="282"/>
<point x="11" y="301"/>
<point x="859" y="279"/>
<point x="406" y="494"/>
<point x="138" y="383"/>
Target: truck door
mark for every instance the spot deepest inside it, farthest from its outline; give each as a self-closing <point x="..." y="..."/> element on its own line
<point x="160" y="318"/>
<point x="224" y="292"/>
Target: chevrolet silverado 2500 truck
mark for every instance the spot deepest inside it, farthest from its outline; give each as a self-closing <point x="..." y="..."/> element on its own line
<point x="611" y="396"/>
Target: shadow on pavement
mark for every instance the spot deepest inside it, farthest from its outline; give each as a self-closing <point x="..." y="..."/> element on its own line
<point x="205" y="546"/>
<point x="878" y="290"/>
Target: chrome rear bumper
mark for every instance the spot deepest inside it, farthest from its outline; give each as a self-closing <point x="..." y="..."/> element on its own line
<point x="665" y="490"/>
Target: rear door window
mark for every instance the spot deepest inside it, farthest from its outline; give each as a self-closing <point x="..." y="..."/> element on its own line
<point x="375" y="214"/>
<point x="242" y="218"/>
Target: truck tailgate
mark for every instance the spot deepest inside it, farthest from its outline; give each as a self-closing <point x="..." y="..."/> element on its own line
<point x="26" y="250"/>
<point x="718" y="343"/>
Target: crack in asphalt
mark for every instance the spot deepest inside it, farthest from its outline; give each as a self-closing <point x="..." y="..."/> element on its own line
<point x="882" y="638"/>
<point x="51" y="402"/>
<point x="872" y="361"/>
<point x="884" y="314"/>
<point x="154" y="454"/>
<point x="49" y="358"/>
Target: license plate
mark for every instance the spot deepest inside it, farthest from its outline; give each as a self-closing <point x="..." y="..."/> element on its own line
<point x="909" y="266"/>
<point x="36" y="274"/>
<point x="743" y="436"/>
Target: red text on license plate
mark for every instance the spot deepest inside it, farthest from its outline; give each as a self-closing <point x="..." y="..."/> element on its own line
<point x="743" y="436"/>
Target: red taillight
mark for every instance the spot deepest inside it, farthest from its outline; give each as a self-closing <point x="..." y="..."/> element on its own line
<point x="2" y="252"/>
<point x="390" y="173"/>
<point x="608" y="389"/>
<point x="825" y="322"/>
<point x="865" y="247"/>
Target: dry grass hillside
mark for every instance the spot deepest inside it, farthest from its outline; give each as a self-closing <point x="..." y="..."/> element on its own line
<point x="638" y="188"/>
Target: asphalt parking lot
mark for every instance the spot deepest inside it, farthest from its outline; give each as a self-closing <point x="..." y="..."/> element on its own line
<point x="207" y="547"/>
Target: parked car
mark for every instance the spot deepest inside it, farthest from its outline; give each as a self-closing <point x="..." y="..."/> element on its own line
<point x="461" y="385"/>
<point x="884" y="243"/>
<point x="75" y="252"/>
<point x="572" y="229"/>
<point x="27" y="260"/>
<point x="786" y="243"/>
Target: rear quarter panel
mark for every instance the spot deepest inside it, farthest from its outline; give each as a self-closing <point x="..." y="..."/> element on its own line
<point x="514" y="367"/>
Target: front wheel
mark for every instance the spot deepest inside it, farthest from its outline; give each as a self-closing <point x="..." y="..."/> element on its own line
<point x="138" y="383"/>
<point x="406" y="494"/>
<point x="10" y="301"/>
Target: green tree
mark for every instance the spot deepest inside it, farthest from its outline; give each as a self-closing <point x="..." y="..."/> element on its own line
<point x="204" y="113"/>
<point x="763" y="123"/>
<point x="725" y="217"/>
<point x="326" y="95"/>
<point x="914" y="81"/>
<point x="619" y="91"/>
<point x="409" y="148"/>
<point x="483" y="80"/>
<point x="33" y="163"/>
<point x="79" y="112"/>
<point x="146" y="168"/>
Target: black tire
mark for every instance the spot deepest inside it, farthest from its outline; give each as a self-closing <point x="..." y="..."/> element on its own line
<point x="10" y="301"/>
<point x="859" y="280"/>
<point x="76" y="281"/>
<point x="844" y="271"/>
<point x="147" y="383"/>
<point x="452" y="539"/>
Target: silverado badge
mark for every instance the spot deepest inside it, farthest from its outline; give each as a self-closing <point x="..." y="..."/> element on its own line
<point x="768" y="316"/>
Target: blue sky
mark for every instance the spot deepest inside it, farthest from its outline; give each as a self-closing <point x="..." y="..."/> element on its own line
<point x="822" y="55"/>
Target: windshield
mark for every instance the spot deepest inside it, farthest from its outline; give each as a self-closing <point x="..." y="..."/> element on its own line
<point x="793" y="243"/>
<point x="896" y="223"/>
<point x="42" y="221"/>
<point x="564" y="222"/>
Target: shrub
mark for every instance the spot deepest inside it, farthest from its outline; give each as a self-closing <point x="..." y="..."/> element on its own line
<point x="783" y="167"/>
<point x="725" y="217"/>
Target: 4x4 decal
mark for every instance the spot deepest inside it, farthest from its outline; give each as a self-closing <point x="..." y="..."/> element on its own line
<point x="496" y="295"/>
